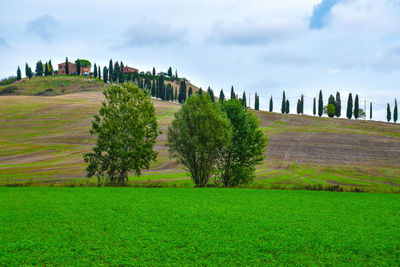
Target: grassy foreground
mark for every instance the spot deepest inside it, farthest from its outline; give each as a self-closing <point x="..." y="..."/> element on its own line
<point x="119" y="226"/>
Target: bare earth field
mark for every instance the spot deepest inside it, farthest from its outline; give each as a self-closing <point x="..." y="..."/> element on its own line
<point x="43" y="138"/>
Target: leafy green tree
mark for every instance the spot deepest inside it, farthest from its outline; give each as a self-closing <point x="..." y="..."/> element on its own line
<point x="395" y="111"/>
<point x="105" y="74"/>
<point x="221" y="96"/>
<point x="66" y="66"/>
<point x="271" y="104"/>
<point x="233" y="95"/>
<point x="197" y="136"/>
<point x="320" y="104"/>
<point x="39" y="68"/>
<point x="126" y="130"/>
<point x="256" y="102"/>
<point x="356" y="108"/>
<point x="287" y="106"/>
<point x="78" y="66"/>
<point x="330" y="110"/>
<point x="244" y="102"/>
<point x="84" y="63"/>
<point x="190" y="92"/>
<point x="338" y="106"/>
<point x="388" y="113"/>
<point x="170" y="72"/>
<point x="370" y="110"/>
<point x="211" y="93"/>
<point x="95" y="70"/>
<point x="182" y="92"/>
<point x="314" y="107"/>
<point x="18" y="74"/>
<point x="349" y="112"/>
<point x="331" y="101"/>
<point x="283" y="108"/>
<point x="110" y="70"/>
<point x="238" y="160"/>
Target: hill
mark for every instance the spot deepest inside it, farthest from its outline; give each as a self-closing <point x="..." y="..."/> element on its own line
<point x="42" y="140"/>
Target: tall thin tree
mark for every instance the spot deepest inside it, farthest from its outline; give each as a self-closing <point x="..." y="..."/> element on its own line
<point x="338" y="107"/>
<point x="221" y="96"/>
<point x="395" y="111"/>
<point x="370" y="110"/>
<point x="271" y="104"/>
<point x="314" y="107"/>
<point x="287" y="108"/>
<point x="356" y="108"/>
<point x="388" y="113"/>
<point x="320" y="104"/>
<point x="349" y="112"/>
<point x="233" y="96"/>
<point x="244" y="101"/>
<point x="283" y="108"/>
<point x="66" y="66"/>
<point x="95" y="70"/>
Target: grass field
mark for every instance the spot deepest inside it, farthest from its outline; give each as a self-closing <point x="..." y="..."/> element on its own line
<point x="177" y="226"/>
<point x="43" y="138"/>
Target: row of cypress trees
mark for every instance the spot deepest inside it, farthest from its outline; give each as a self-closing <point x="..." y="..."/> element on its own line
<point x="389" y="113"/>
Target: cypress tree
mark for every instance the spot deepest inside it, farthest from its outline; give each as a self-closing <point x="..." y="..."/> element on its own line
<point x="233" y="96"/>
<point x="170" y="72"/>
<point x="154" y="71"/>
<point x="283" y="108"/>
<point x="338" y="107"/>
<point x="99" y="72"/>
<point x="314" y="108"/>
<point x="211" y="93"/>
<point x="320" y="104"/>
<point x="298" y="109"/>
<point x="271" y="104"/>
<point x="130" y="77"/>
<point x="176" y="94"/>
<point x="370" y="110"/>
<point x="287" y="108"/>
<point x="46" y="69"/>
<point x="244" y="102"/>
<point x="95" y="70"/>
<point x="30" y="73"/>
<point x="26" y="70"/>
<point x="110" y="70"/>
<point x="190" y="92"/>
<point x="302" y="104"/>
<point x="161" y="87"/>
<point x="221" y="96"/>
<point x="182" y="92"/>
<point x="105" y="74"/>
<point x="176" y="73"/>
<point x="66" y="66"/>
<point x="200" y="92"/>
<point x="395" y="114"/>
<point x="116" y="72"/>
<point x="50" y="68"/>
<point x="349" y="112"/>
<point x="121" y="77"/>
<point x="39" y="68"/>
<point x="388" y="113"/>
<point x="18" y="74"/>
<point x="256" y="102"/>
<point x="78" y="66"/>
<point x="356" y="108"/>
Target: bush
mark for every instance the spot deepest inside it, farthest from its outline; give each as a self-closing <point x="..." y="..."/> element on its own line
<point x="330" y="110"/>
<point x="8" y="81"/>
<point x="8" y="90"/>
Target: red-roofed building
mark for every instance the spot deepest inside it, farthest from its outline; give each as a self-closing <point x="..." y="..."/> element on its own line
<point x="130" y="70"/>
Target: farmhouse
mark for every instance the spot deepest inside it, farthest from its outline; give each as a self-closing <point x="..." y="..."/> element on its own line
<point x="130" y="70"/>
<point x="72" y="69"/>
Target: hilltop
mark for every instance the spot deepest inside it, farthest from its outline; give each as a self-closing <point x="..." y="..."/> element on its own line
<point x="43" y="139"/>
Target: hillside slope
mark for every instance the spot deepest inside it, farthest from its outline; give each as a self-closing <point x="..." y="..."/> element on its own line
<point x="44" y="138"/>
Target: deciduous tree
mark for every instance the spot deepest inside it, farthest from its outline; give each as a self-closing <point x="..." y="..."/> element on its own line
<point x="197" y="136"/>
<point x="238" y="160"/>
<point x="126" y="130"/>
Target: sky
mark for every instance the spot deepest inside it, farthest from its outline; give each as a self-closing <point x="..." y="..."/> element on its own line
<point x="300" y="46"/>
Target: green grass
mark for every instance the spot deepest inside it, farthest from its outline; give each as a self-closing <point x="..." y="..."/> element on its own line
<point x="132" y="226"/>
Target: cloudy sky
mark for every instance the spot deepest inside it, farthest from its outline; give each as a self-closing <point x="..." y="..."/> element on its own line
<point x="300" y="46"/>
